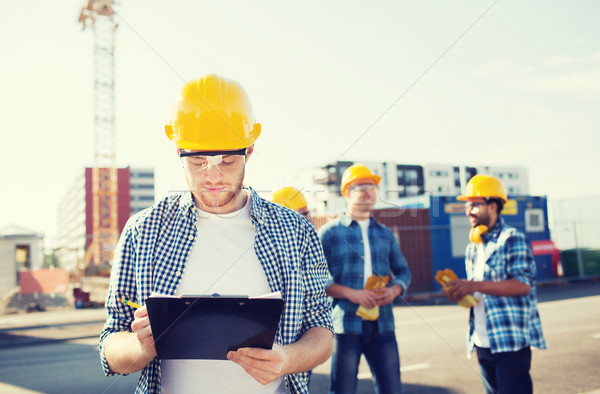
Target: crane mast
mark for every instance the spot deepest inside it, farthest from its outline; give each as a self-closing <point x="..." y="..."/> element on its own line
<point x="99" y="16"/>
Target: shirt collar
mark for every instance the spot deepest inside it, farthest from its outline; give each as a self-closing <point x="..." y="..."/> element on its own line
<point x="186" y="202"/>
<point x="346" y="220"/>
<point x="494" y="232"/>
<point x="257" y="210"/>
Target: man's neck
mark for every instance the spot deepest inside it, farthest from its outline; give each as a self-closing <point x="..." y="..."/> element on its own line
<point x="238" y="202"/>
<point x="493" y="221"/>
<point x="358" y="215"/>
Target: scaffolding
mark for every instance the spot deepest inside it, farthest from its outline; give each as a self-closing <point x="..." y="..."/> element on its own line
<point x="99" y="16"/>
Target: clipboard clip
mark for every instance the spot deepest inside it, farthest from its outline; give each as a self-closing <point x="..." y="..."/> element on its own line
<point x="213" y="295"/>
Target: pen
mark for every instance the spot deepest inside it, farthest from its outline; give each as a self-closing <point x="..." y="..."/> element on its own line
<point x="131" y="304"/>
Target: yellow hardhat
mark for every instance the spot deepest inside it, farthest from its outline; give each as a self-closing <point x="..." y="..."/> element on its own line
<point x="289" y="197"/>
<point x="484" y="186"/>
<point x="355" y="173"/>
<point x="213" y="113"/>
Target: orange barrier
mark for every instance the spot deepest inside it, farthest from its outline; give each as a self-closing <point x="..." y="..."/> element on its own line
<point x="44" y="281"/>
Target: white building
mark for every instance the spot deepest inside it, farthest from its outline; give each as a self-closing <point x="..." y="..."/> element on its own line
<point x="20" y="250"/>
<point x="403" y="185"/>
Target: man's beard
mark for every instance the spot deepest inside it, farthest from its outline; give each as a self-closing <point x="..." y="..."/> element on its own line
<point x="223" y="198"/>
<point x="479" y="220"/>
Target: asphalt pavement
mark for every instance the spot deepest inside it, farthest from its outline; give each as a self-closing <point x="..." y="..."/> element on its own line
<point x="65" y="327"/>
<point x="547" y="291"/>
<point x="66" y="320"/>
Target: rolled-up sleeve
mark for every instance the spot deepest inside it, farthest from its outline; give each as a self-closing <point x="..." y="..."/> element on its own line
<point x="317" y="308"/>
<point x="122" y="285"/>
<point x="399" y="267"/>
<point x="520" y="264"/>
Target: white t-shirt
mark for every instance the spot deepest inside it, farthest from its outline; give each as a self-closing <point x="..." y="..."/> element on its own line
<point x="480" y="336"/>
<point x="222" y="260"/>
<point x="368" y="270"/>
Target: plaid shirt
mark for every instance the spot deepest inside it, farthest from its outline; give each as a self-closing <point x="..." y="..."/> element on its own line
<point x="155" y="245"/>
<point x="512" y="322"/>
<point x="344" y="250"/>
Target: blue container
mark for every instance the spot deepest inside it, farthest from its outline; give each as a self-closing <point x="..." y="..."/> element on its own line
<point x="450" y="228"/>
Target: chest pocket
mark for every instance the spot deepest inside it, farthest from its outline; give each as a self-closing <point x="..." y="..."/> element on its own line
<point x="495" y="267"/>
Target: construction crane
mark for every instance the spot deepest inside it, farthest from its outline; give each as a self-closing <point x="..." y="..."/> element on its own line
<point x="99" y="16"/>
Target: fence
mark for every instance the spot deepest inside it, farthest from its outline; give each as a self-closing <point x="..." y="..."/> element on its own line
<point x="430" y="247"/>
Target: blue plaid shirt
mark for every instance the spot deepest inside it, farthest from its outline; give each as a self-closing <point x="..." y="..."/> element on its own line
<point x="344" y="250"/>
<point x="512" y="322"/>
<point x="155" y="245"/>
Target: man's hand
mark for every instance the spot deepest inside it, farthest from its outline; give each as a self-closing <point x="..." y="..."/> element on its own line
<point x="263" y="365"/>
<point x="366" y="298"/>
<point x="386" y="295"/>
<point x="141" y="327"/>
<point x="128" y="352"/>
<point x="457" y="289"/>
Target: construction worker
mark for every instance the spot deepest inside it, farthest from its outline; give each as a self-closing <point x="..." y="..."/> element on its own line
<point x="292" y="198"/>
<point x="218" y="237"/>
<point x="356" y="247"/>
<point x="501" y="273"/>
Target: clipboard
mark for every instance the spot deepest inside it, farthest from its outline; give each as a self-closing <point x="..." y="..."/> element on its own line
<point x="209" y="327"/>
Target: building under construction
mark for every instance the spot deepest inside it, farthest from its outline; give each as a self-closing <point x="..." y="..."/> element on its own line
<point x="104" y="185"/>
<point x="77" y="217"/>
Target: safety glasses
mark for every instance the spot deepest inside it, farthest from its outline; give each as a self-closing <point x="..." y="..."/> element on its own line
<point x="364" y="188"/>
<point x="223" y="161"/>
<point x="471" y="204"/>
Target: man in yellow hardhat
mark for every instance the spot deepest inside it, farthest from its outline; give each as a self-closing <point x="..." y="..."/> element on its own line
<point x="356" y="247"/>
<point x="218" y="237"/>
<point x="292" y="198"/>
<point x="501" y="273"/>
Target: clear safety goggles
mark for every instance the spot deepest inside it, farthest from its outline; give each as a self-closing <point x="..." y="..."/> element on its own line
<point x="475" y="204"/>
<point x="364" y="188"/>
<point x="222" y="161"/>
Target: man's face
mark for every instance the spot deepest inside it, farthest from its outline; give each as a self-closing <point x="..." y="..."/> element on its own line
<point x="478" y="211"/>
<point x="362" y="196"/>
<point x="216" y="182"/>
<point x="304" y="212"/>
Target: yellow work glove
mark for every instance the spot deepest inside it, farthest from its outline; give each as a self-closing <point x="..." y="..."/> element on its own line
<point x="373" y="282"/>
<point x="445" y="276"/>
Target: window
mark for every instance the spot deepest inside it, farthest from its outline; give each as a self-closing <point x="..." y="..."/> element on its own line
<point x="457" y="177"/>
<point x="142" y="186"/>
<point x="534" y="220"/>
<point x="439" y="174"/>
<point x="410" y="180"/>
<point x="142" y="175"/>
<point x="142" y="198"/>
<point x="23" y="257"/>
<point x="470" y="173"/>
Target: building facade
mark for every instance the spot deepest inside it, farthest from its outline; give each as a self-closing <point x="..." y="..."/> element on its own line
<point x="20" y="250"/>
<point x="75" y="211"/>
<point x="403" y="185"/>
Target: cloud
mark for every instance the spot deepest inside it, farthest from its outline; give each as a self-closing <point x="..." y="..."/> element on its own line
<point x="495" y="69"/>
<point x="556" y="74"/>
<point x="558" y="61"/>
<point x="574" y="82"/>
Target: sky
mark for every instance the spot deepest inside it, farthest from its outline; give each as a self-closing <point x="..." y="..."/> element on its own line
<point x="499" y="83"/>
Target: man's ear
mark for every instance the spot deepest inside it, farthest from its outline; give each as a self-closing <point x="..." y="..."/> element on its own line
<point x="249" y="151"/>
<point x="494" y="207"/>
